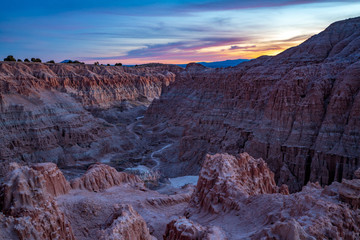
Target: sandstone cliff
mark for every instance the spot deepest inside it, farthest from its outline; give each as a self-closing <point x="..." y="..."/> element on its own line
<point x="63" y="112"/>
<point x="299" y="110"/>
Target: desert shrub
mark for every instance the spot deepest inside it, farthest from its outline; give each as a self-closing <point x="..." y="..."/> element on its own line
<point x="10" y="58"/>
<point x="118" y="64"/>
<point x="51" y="61"/>
<point x="36" y="60"/>
<point x="26" y="60"/>
<point x="19" y="60"/>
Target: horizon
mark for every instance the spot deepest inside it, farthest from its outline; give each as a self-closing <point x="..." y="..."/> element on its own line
<point x="169" y="32"/>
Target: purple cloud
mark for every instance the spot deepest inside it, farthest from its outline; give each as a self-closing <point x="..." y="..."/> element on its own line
<point x="238" y="48"/>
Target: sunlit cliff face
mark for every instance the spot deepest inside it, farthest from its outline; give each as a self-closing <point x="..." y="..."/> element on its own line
<point x="163" y="31"/>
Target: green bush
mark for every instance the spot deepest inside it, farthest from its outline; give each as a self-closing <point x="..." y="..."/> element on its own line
<point x="10" y="58"/>
<point x="51" y="61"/>
<point x="118" y="64"/>
<point x="36" y="60"/>
<point x="19" y="60"/>
<point x="26" y="60"/>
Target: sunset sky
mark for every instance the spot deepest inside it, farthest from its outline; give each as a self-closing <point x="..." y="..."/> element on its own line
<point x="142" y="31"/>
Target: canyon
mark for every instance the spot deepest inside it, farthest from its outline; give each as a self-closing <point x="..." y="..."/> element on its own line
<point x="73" y="114"/>
<point x="268" y="149"/>
<point x="299" y="110"/>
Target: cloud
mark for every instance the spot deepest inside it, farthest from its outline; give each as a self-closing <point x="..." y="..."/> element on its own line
<point x="184" y="47"/>
<point x="298" y="38"/>
<point x="238" y="47"/>
<point x="147" y="30"/>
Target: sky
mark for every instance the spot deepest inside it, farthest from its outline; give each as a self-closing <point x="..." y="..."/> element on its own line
<point x="172" y="31"/>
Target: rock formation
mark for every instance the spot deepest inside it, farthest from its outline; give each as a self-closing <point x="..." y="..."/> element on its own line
<point x="299" y="110"/>
<point x="112" y="205"/>
<point x="235" y="198"/>
<point x="238" y="194"/>
<point x="185" y="229"/>
<point x="27" y="200"/>
<point x="349" y="191"/>
<point x="125" y="223"/>
<point x="100" y="177"/>
<point x="224" y="180"/>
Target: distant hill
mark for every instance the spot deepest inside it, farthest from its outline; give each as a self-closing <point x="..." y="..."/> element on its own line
<point x="220" y="64"/>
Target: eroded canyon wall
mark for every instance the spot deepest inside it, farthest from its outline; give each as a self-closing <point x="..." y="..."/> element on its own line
<point x="299" y="110"/>
<point x="52" y="112"/>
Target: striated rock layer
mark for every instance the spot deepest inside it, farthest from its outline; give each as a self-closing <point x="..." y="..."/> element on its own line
<point x="56" y="112"/>
<point x="299" y="110"/>
<point x="249" y="208"/>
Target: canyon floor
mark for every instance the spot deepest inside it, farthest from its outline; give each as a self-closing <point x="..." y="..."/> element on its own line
<point x="269" y="149"/>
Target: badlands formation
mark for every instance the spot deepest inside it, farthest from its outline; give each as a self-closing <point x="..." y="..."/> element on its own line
<point x="299" y="110"/>
<point x="86" y="151"/>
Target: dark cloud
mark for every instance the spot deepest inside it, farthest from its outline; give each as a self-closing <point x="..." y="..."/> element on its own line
<point x="238" y="47"/>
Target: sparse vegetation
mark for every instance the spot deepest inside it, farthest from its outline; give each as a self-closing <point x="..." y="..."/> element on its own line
<point x="75" y="61"/>
<point x="51" y="61"/>
<point x="19" y="60"/>
<point x="118" y="64"/>
<point x="36" y="60"/>
<point x="26" y="60"/>
<point x="10" y="58"/>
<point x="108" y="64"/>
<point x="96" y="63"/>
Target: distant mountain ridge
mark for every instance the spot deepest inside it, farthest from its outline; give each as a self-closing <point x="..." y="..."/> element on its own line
<point x="220" y="64"/>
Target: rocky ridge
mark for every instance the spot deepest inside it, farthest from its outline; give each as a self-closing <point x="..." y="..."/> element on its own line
<point x="299" y="110"/>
